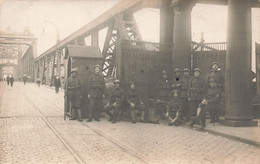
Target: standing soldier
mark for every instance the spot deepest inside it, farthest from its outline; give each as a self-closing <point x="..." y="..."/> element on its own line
<point x="115" y="102"/>
<point x="73" y="91"/>
<point x="196" y="92"/>
<point x="8" y="79"/>
<point x="176" y="81"/>
<point x="174" y="109"/>
<point x="184" y="92"/>
<point x="135" y="103"/>
<point x="11" y="80"/>
<point x="24" y="79"/>
<point x="219" y="80"/>
<point x="164" y="92"/>
<point x="96" y="93"/>
<point x="57" y="84"/>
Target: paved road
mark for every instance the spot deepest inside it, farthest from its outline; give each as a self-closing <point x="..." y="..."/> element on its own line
<point x="26" y="138"/>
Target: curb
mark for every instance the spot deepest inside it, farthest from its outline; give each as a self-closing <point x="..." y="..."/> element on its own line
<point x="233" y="137"/>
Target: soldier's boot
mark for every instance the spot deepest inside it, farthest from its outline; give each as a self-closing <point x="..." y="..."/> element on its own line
<point x="142" y="117"/>
<point x="73" y="114"/>
<point x="114" y="116"/>
<point x="79" y="115"/>
<point x="109" y="114"/>
<point x="176" y="121"/>
<point x="133" y="117"/>
<point x="90" y="116"/>
<point x="192" y="121"/>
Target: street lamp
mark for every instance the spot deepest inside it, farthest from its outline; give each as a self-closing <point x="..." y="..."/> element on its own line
<point x="56" y="28"/>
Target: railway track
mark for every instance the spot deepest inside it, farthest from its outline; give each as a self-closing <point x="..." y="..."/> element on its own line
<point x="70" y="147"/>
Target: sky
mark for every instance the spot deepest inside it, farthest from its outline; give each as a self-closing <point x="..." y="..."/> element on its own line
<point x="43" y="17"/>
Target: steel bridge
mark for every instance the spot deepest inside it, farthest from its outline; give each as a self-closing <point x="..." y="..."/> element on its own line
<point x="175" y="38"/>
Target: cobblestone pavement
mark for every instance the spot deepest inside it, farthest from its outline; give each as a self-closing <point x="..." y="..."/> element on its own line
<point x="103" y="142"/>
<point x="24" y="136"/>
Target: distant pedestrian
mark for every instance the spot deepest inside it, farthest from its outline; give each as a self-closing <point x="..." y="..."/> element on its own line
<point x="8" y="80"/>
<point x="24" y="79"/>
<point x="57" y="84"/>
<point x="38" y="81"/>
<point x="11" y="80"/>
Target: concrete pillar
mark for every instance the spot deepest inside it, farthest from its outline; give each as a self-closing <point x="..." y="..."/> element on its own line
<point x="182" y="34"/>
<point x="94" y="38"/>
<point x="238" y="64"/>
<point x="166" y="24"/>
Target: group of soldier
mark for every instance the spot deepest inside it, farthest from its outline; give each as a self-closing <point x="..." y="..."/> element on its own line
<point x="185" y="98"/>
<point x="189" y="98"/>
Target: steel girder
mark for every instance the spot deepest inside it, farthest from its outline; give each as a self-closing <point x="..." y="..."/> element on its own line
<point x="122" y="27"/>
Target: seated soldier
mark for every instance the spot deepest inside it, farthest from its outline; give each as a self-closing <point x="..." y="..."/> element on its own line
<point x="133" y="100"/>
<point x="115" y="102"/>
<point x="209" y="103"/>
<point x="174" y="109"/>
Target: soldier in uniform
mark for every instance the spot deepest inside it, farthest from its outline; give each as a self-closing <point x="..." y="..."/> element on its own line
<point x="135" y="103"/>
<point x="210" y="103"/>
<point x="8" y="79"/>
<point x="11" y="80"/>
<point x="115" y="102"/>
<point x="174" y="109"/>
<point x="219" y="79"/>
<point x="164" y="92"/>
<point x="57" y="84"/>
<point x="24" y="79"/>
<point x="184" y="92"/>
<point x="176" y="81"/>
<point x="73" y="91"/>
<point x="96" y="93"/>
<point x="196" y="92"/>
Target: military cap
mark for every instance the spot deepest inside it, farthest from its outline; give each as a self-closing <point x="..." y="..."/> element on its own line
<point x="74" y="70"/>
<point x="97" y="66"/>
<point x="197" y="69"/>
<point x="117" y="81"/>
<point x="214" y="63"/>
<point x="177" y="70"/>
<point x="175" y="91"/>
<point x="186" y="70"/>
<point x="211" y="80"/>
<point x="164" y="72"/>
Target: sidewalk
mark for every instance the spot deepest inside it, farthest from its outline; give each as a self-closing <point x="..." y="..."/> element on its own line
<point x="248" y="135"/>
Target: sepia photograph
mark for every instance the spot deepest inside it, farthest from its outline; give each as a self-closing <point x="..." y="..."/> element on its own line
<point x="129" y="81"/>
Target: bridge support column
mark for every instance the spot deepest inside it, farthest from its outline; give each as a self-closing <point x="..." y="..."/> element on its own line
<point x="238" y="65"/>
<point x="166" y="23"/>
<point x="182" y="33"/>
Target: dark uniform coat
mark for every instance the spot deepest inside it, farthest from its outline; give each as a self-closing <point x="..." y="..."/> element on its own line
<point x="176" y="83"/>
<point x="96" y="86"/>
<point x="117" y="95"/>
<point x="185" y="80"/>
<point x="219" y="78"/>
<point x="164" y="88"/>
<point x="196" y="89"/>
<point x="73" y="88"/>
